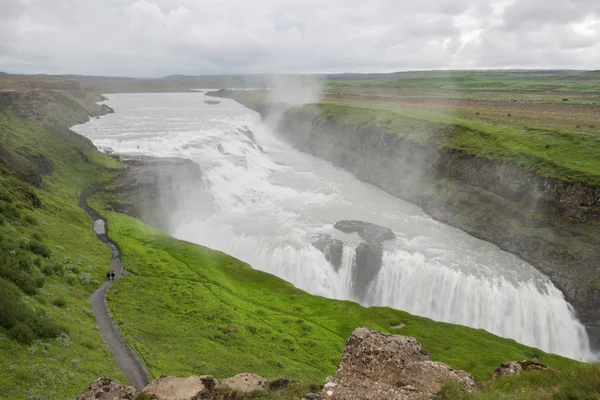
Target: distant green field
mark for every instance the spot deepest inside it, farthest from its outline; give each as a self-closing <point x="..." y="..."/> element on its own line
<point x="569" y="156"/>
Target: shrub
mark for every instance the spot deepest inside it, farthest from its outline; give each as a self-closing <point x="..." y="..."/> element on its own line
<point x="565" y="99"/>
<point x="37" y="236"/>
<point x="85" y="278"/>
<point x="31" y="221"/>
<point x="22" y="333"/>
<point x="21" y="321"/>
<point x="39" y="248"/>
<point x="60" y="302"/>
<point x="53" y="269"/>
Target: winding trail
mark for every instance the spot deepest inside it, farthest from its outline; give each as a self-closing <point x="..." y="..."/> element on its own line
<point x="129" y="362"/>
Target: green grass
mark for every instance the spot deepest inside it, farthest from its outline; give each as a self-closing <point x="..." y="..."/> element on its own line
<point x="567" y="156"/>
<point x="576" y="383"/>
<point x="179" y="300"/>
<point x="54" y="355"/>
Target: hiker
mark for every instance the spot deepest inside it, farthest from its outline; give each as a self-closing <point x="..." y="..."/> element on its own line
<point x="108" y="276"/>
<point x="112" y="274"/>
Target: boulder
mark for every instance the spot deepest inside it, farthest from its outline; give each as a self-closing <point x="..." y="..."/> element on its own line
<point x="367" y="265"/>
<point x="173" y="388"/>
<point x="107" y="389"/>
<point x="517" y="367"/>
<point x="367" y="231"/>
<point x="381" y="366"/>
<point x="244" y="383"/>
<point x="331" y="248"/>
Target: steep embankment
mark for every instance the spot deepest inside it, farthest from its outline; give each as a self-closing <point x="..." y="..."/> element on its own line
<point x="537" y="196"/>
<point x="50" y="259"/>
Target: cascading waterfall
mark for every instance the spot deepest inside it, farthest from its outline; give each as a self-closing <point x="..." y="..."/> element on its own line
<point x="269" y="202"/>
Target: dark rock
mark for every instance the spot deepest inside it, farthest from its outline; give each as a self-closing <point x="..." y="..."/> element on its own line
<point x="367" y="265"/>
<point x="313" y="396"/>
<point x="380" y="366"/>
<point x="33" y="178"/>
<point x="367" y="231"/>
<point x="106" y="109"/>
<point x="278" y="384"/>
<point x="331" y="248"/>
<point x="517" y="368"/>
<point x="42" y="164"/>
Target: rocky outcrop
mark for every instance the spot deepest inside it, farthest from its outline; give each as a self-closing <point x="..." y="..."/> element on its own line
<point x="173" y="388"/>
<point x="152" y="189"/>
<point x="107" y="389"/>
<point x="332" y="249"/>
<point x="517" y="368"/>
<point x="367" y="263"/>
<point x="380" y="366"/>
<point x="554" y="225"/>
<point x="245" y="383"/>
<point x="367" y="231"/>
<point x="368" y="254"/>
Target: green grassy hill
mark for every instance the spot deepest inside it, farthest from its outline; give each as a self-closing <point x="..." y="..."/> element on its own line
<point x="50" y="260"/>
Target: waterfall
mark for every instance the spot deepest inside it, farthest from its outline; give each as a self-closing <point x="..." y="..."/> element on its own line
<point x="268" y="202"/>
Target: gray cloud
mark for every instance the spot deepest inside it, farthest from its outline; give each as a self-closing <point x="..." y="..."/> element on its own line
<point x="161" y="37"/>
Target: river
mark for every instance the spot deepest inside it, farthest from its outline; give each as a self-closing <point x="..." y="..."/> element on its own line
<point x="268" y="202"/>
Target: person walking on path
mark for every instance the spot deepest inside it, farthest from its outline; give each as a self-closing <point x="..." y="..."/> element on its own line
<point x="108" y="276"/>
<point x="112" y="275"/>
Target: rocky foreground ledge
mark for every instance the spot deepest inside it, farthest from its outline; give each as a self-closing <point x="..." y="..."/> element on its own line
<point x="374" y="366"/>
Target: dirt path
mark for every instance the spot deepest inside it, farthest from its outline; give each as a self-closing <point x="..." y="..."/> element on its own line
<point x="126" y="358"/>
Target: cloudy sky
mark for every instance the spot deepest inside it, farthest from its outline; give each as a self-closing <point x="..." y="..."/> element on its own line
<point x="149" y="38"/>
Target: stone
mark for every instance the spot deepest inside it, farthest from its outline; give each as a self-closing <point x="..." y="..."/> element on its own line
<point x="244" y="383"/>
<point x="367" y="265"/>
<point x="107" y="389"/>
<point x="367" y="231"/>
<point x="173" y="388"/>
<point x="517" y="367"/>
<point x="381" y="366"/>
<point x="332" y="249"/>
<point x="232" y="329"/>
<point x="312" y="396"/>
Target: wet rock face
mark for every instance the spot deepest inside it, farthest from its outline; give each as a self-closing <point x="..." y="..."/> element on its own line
<point x="153" y="188"/>
<point x="107" y="389"/>
<point x="517" y="368"/>
<point x="381" y="366"/>
<point x="331" y="248"/>
<point x="369" y="253"/>
<point x="367" y="231"/>
<point x="367" y="265"/>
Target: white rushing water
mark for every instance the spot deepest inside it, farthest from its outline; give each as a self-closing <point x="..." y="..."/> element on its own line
<point x="270" y="201"/>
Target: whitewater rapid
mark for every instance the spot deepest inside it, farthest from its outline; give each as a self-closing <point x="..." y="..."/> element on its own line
<point x="268" y="202"/>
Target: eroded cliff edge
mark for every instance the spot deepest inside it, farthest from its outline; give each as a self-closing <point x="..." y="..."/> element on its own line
<point x="552" y="224"/>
